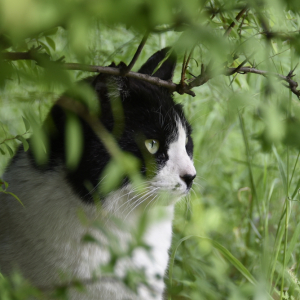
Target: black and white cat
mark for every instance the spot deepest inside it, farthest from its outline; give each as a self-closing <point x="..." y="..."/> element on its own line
<point x="44" y="238"/>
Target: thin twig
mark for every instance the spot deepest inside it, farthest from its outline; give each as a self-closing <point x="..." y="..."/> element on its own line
<point x="240" y="14"/>
<point x="13" y="138"/>
<point x="238" y="68"/>
<point x="28" y="55"/>
<point x="137" y="54"/>
<point x="242" y="23"/>
<point x="189" y="57"/>
<point x="182" y="85"/>
<point x="185" y="65"/>
<point x="183" y="69"/>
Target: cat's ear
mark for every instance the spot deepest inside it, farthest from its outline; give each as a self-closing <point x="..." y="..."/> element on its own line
<point x="166" y="70"/>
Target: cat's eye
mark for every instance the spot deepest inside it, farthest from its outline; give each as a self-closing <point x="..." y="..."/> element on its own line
<point x="152" y="145"/>
<point x="186" y="140"/>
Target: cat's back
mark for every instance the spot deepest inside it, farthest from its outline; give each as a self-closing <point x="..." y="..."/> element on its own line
<point x="28" y="231"/>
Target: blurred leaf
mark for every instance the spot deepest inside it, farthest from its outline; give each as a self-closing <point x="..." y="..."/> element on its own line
<point x="73" y="141"/>
<point x="112" y="177"/>
<point x="6" y="184"/>
<point x="2" y="151"/>
<point x="39" y="141"/>
<point x="292" y="136"/>
<point x="15" y="196"/>
<point x="26" y="123"/>
<point x="79" y="286"/>
<point x="87" y="238"/>
<point x="11" y="153"/>
<point x="275" y="129"/>
<point x="50" y="42"/>
<point x="82" y="217"/>
<point x="24" y="142"/>
<point x="45" y="47"/>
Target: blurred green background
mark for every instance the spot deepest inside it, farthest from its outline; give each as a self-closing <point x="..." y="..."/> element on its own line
<point x="237" y="235"/>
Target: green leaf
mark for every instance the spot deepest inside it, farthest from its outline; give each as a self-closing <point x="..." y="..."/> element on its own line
<point x="39" y="140"/>
<point x="15" y="196"/>
<point x="87" y="238"/>
<point x="51" y="43"/>
<point x="45" y="47"/>
<point x="113" y="174"/>
<point x="11" y="153"/>
<point x="26" y="123"/>
<point x="6" y="184"/>
<point x="24" y="142"/>
<point x="2" y="151"/>
<point x="74" y="141"/>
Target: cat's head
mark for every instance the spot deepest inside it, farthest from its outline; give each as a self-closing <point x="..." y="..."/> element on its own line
<point x="145" y="121"/>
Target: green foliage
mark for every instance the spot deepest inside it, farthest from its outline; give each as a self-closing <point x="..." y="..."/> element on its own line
<point x="16" y="288"/>
<point x="237" y="236"/>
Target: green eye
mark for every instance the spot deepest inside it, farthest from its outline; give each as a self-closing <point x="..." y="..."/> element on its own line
<point x="152" y="145"/>
<point x="186" y="140"/>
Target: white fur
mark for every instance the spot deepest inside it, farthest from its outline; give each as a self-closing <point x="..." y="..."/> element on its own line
<point x="44" y="237"/>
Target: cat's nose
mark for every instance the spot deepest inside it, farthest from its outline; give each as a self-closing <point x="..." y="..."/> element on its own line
<point x="188" y="179"/>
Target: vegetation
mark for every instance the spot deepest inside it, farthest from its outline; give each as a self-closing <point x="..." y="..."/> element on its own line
<point x="236" y="237"/>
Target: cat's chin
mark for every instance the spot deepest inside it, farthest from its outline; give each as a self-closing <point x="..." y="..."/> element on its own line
<point x="170" y="197"/>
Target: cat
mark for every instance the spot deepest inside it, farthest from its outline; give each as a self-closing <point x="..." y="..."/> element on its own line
<point x="43" y="239"/>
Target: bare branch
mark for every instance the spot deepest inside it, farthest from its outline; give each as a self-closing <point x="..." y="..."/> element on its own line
<point x="33" y="55"/>
<point x="117" y="72"/>
<point x="205" y="75"/>
<point x="292" y="85"/>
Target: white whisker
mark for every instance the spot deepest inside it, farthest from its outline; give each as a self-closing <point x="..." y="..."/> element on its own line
<point x="151" y="201"/>
<point x="95" y="187"/>
<point x="140" y="202"/>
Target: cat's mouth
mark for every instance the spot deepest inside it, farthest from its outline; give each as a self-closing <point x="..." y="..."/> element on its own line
<point x="179" y="189"/>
